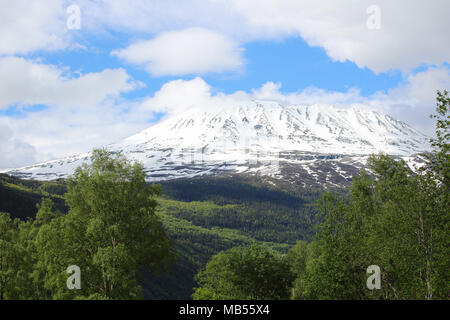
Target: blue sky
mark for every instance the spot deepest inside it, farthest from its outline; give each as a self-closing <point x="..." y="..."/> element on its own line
<point x="124" y="67"/>
<point x="290" y="61"/>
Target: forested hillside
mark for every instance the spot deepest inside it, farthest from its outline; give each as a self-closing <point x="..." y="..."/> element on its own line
<point x="20" y="197"/>
<point x="202" y="216"/>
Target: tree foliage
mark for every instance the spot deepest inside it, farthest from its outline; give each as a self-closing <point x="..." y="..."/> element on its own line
<point x="395" y="218"/>
<point x="111" y="232"/>
<point x="253" y="272"/>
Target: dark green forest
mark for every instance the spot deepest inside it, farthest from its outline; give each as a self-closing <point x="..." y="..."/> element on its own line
<point x="229" y="237"/>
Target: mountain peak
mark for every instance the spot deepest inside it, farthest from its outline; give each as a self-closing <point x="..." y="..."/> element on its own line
<point x="317" y="128"/>
<point x="238" y="135"/>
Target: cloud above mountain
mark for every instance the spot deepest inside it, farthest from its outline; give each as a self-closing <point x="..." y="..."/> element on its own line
<point x="341" y="30"/>
<point x="189" y="51"/>
<point x="410" y="33"/>
<point x="73" y="110"/>
<point x="413" y="101"/>
<point x="45" y="134"/>
<point x="28" y="82"/>
<point x="27" y="26"/>
<point x="15" y="152"/>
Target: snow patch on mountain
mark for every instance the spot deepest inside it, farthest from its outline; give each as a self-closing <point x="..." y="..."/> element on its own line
<point x="258" y="137"/>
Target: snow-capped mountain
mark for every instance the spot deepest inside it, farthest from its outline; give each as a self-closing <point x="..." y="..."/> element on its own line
<point x="257" y="137"/>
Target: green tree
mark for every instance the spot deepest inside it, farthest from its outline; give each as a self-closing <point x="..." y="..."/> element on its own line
<point x="45" y="212"/>
<point x="8" y="257"/>
<point x="253" y="272"/>
<point x="111" y="231"/>
<point x="13" y="259"/>
<point x="411" y="234"/>
<point x="298" y="257"/>
<point x="395" y="218"/>
<point x="340" y="257"/>
<point x="438" y="161"/>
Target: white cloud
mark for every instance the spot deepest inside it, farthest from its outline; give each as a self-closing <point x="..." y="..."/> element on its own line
<point x="189" y="51"/>
<point x="412" y="102"/>
<point x="415" y="99"/>
<point x="83" y="112"/>
<point x="14" y="152"/>
<point x="179" y="95"/>
<point x="153" y="17"/>
<point x="412" y="32"/>
<point x="26" y="82"/>
<point x="308" y="96"/>
<point x="57" y="132"/>
<point x="26" y="26"/>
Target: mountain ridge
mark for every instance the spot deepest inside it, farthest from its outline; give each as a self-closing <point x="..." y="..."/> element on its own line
<point x="256" y="137"/>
